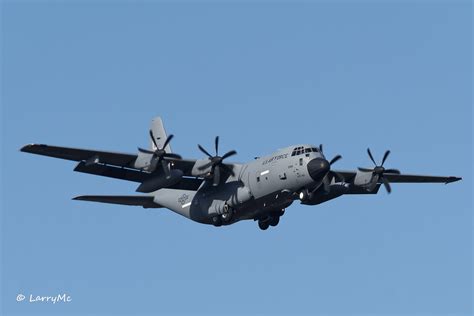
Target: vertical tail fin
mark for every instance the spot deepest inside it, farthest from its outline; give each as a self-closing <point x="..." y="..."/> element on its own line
<point x="160" y="134"/>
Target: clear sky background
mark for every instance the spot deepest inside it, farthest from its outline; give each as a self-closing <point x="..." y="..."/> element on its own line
<point x="263" y="76"/>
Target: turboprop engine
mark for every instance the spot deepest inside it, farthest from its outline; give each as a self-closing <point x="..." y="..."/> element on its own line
<point x="327" y="193"/>
<point x="214" y="165"/>
<point x="148" y="160"/>
<point x="368" y="178"/>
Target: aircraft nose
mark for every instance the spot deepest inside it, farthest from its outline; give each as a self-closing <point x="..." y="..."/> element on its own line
<point x="318" y="168"/>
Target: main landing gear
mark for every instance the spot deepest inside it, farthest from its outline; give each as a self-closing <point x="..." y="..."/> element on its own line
<point x="272" y="219"/>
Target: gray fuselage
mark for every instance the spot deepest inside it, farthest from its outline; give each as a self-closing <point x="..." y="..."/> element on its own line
<point x="264" y="185"/>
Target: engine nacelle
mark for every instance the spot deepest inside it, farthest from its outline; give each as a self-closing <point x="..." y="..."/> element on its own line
<point x="196" y="171"/>
<point x="366" y="180"/>
<point x="161" y="181"/>
<point x="320" y="196"/>
<point x="144" y="161"/>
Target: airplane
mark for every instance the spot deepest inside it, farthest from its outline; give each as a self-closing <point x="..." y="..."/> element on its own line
<point x="212" y="191"/>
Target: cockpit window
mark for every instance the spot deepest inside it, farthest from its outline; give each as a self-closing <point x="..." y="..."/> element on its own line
<point x="301" y="150"/>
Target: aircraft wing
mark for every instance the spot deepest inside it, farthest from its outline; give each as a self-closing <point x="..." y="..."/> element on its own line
<point x="135" y="175"/>
<point x="77" y="154"/>
<point x="115" y="165"/>
<point x="404" y="178"/>
<point x="412" y="178"/>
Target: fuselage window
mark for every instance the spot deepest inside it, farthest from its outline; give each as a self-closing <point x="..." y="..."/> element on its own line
<point x="301" y="161"/>
<point x="307" y="150"/>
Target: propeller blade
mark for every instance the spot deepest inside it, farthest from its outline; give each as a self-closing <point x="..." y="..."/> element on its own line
<point x="167" y="141"/>
<point x="326" y="185"/>
<point x="385" y="156"/>
<point x="228" y="169"/>
<point x="166" y="168"/>
<point x="153" y="138"/>
<point x="217" y="145"/>
<point x="371" y="157"/>
<point x="386" y="184"/>
<point x="217" y="176"/>
<point x="204" y="151"/>
<point x="321" y="148"/>
<point x="365" y="169"/>
<point x="171" y="155"/>
<point x="206" y="166"/>
<point x="333" y="160"/>
<point x="228" y="154"/>
<point x="396" y="171"/>
<point x="146" y="151"/>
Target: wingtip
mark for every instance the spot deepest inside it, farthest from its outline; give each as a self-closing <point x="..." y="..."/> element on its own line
<point x="453" y="179"/>
<point x="25" y="148"/>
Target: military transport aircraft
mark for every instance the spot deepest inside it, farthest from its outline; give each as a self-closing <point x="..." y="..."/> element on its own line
<point x="211" y="191"/>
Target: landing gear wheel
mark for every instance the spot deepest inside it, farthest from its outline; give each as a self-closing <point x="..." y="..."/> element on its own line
<point x="216" y="221"/>
<point x="263" y="225"/>
<point x="274" y="220"/>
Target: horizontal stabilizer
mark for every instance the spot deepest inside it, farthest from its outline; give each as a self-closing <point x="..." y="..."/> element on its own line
<point x="136" y="200"/>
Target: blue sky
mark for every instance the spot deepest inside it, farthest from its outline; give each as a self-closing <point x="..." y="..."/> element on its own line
<point x="392" y="75"/>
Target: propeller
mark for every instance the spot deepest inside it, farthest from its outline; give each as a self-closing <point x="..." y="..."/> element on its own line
<point x="160" y="154"/>
<point x="333" y="160"/>
<point x="215" y="162"/>
<point x="379" y="170"/>
<point x="335" y="174"/>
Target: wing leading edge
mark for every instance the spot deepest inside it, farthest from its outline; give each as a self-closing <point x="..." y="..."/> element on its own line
<point x="405" y="178"/>
<point x="78" y="154"/>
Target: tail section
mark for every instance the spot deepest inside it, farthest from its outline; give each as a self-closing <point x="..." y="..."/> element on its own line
<point x="183" y="202"/>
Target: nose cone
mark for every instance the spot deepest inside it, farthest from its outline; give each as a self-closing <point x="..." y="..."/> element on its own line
<point x="318" y="168"/>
